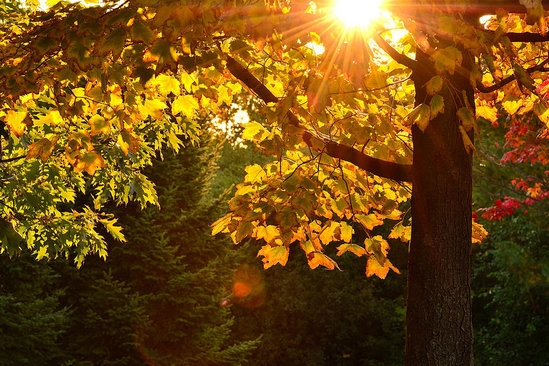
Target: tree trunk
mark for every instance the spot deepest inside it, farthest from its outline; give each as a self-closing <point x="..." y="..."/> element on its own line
<point x="439" y="321"/>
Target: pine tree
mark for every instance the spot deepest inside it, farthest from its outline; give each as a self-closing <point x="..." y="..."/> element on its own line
<point x="181" y="270"/>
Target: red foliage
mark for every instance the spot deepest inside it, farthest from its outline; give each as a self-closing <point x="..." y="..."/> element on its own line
<point x="528" y="143"/>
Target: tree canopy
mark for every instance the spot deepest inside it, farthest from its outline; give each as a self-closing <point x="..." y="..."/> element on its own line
<point x="358" y="122"/>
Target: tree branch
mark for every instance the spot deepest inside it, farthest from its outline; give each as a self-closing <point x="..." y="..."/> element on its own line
<point x="488" y="89"/>
<point x="394" y="54"/>
<point x="382" y="168"/>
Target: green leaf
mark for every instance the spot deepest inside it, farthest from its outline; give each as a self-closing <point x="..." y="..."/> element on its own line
<point x="140" y="31"/>
<point x="437" y="106"/>
<point x="420" y="116"/>
<point x="447" y="59"/>
<point x="467" y="118"/>
<point x="434" y="85"/>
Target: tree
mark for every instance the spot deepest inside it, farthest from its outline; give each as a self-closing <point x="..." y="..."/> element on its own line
<point x="178" y="269"/>
<point x="34" y="319"/>
<point x="122" y="78"/>
<point x="510" y="269"/>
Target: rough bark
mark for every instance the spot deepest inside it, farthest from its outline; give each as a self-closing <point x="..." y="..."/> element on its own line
<point x="438" y="320"/>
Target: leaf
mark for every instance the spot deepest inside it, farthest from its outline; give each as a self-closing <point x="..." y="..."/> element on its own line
<point x="268" y="233"/>
<point x="447" y="59"/>
<point x="346" y="231"/>
<point x="153" y="108"/>
<point x="489" y="113"/>
<point x="114" y="230"/>
<point x="467" y="118"/>
<point x="244" y="230"/>
<point x="437" y="106"/>
<point x="320" y="259"/>
<point x="401" y="232"/>
<point x="353" y="248"/>
<point x="368" y="221"/>
<point x="99" y="125"/>
<point x="327" y="235"/>
<point x="377" y="246"/>
<point x="140" y="31"/>
<point x="479" y="233"/>
<point x="90" y="162"/>
<point x="274" y="255"/>
<point x="373" y="267"/>
<point x="467" y="143"/>
<point x="168" y="84"/>
<point x="42" y="148"/>
<point x="221" y="225"/>
<point x="254" y="173"/>
<point x="185" y="104"/>
<point x="252" y="130"/>
<point x="127" y="141"/>
<point x="14" y="120"/>
<point x="434" y="85"/>
<point x="511" y="104"/>
<point x="420" y="116"/>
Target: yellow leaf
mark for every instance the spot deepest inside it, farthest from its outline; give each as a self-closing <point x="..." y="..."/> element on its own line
<point x="467" y="119"/>
<point x="153" y="108"/>
<point x="328" y="232"/>
<point x="255" y="173"/>
<point x="373" y="267"/>
<point x="353" y="248"/>
<point x="128" y="142"/>
<point x="52" y="118"/>
<point x="42" y="148"/>
<point x="185" y="104"/>
<point x="274" y="255"/>
<point x="187" y="81"/>
<point x="437" y="106"/>
<point x="90" y="162"/>
<point x="542" y="112"/>
<point x="377" y="246"/>
<point x="489" y="113"/>
<point x="15" y="121"/>
<point x="479" y="233"/>
<point x="346" y="231"/>
<point x="168" y="84"/>
<point x="99" y="125"/>
<point x="320" y="259"/>
<point x="511" y="104"/>
<point x="253" y="129"/>
<point x="401" y="232"/>
<point x="221" y="225"/>
<point x="268" y="233"/>
<point x="467" y="143"/>
<point x="420" y="116"/>
<point x="368" y="221"/>
<point x="447" y="59"/>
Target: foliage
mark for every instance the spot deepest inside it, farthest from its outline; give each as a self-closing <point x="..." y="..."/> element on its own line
<point x="510" y="282"/>
<point x="170" y="261"/>
<point x="322" y="318"/>
<point x="33" y="318"/>
<point x="511" y="287"/>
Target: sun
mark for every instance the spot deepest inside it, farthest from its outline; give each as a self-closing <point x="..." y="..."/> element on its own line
<point x="357" y="13"/>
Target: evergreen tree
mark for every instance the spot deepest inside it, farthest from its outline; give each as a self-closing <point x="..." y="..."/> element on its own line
<point x="179" y="269"/>
<point x="32" y="318"/>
